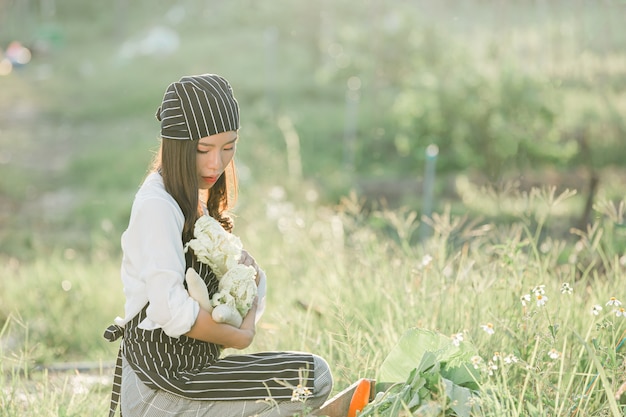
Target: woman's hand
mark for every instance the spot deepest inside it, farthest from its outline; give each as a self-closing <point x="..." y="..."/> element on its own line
<point x="247" y="328"/>
<point x="249" y="323"/>
<point x="208" y="330"/>
<point x="248" y="260"/>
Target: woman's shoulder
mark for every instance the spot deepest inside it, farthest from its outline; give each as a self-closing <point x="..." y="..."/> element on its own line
<point x="153" y="188"/>
<point x="152" y="193"/>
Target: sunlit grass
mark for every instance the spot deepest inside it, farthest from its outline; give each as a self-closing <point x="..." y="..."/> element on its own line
<point x="64" y="304"/>
<point x="347" y="286"/>
<point x="361" y="289"/>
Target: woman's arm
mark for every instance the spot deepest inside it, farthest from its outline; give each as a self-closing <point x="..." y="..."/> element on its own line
<point x="208" y="330"/>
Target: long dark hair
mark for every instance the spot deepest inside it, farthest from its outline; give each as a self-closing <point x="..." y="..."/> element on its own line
<point x="176" y="161"/>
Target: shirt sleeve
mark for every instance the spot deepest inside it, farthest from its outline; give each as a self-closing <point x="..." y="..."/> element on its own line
<point x="153" y="266"/>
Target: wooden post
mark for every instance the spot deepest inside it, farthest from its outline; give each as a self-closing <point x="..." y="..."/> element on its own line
<point x="121" y="10"/>
<point x="271" y="47"/>
<point x="292" y="141"/>
<point x="48" y="9"/>
<point x="432" y="151"/>
<point x="353" y="97"/>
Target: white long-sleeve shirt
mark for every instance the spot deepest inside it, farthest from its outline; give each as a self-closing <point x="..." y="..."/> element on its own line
<point x="153" y="263"/>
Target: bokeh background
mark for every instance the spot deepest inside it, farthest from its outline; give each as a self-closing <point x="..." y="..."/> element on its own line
<point x="414" y="107"/>
<point x="337" y="95"/>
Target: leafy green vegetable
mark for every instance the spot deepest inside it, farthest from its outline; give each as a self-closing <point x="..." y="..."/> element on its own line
<point x="425" y="374"/>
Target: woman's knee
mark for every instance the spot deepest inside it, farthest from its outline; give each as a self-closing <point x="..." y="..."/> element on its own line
<point x="323" y="383"/>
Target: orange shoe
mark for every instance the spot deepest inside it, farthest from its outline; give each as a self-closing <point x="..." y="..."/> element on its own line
<point x="361" y="397"/>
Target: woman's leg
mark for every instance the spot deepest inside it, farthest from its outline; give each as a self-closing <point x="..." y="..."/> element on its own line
<point x="138" y="400"/>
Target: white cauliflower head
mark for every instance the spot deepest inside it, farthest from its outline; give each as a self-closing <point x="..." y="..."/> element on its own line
<point x="223" y="298"/>
<point x="239" y="286"/>
<point x="214" y="246"/>
<point x="221" y="250"/>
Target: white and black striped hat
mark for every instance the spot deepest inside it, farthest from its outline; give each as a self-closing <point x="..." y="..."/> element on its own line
<point x="198" y="106"/>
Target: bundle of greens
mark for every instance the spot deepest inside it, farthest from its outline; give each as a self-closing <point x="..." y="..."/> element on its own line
<point x="426" y="374"/>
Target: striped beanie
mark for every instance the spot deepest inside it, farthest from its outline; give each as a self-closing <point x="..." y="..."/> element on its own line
<point x="198" y="106"/>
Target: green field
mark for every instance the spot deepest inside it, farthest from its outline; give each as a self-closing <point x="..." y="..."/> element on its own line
<point x="525" y="103"/>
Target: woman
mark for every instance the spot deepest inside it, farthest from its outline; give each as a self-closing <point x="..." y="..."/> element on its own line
<point x="170" y="360"/>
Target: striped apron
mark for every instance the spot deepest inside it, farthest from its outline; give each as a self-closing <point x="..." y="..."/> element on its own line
<point x="193" y="368"/>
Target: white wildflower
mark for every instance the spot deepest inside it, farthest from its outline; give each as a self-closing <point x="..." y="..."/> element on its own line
<point x="476" y="361"/>
<point x="614" y="302"/>
<point x="566" y="288"/>
<point x="596" y="309"/>
<point x="541" y="300"/>
<point x="457" y="339"/>
<point x="510" y="359"/>
<point x="525" y="299"/>
<point x="300" y="393"/>
<point x="554" y="354"/>
<point x="539" y="290"/>
<point x="488" y="328"/>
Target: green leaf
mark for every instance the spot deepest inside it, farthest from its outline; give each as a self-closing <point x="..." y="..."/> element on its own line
<point x="460" y="398"/>
<point x="408" y="353"/>
<point x="415" y="381"/>
<point x="396" y="406"/>
<point x="464" y="375"/>
<point x="554" y="329"/>
<point x="429" y="361"/>
<point x="421" y="349"/>
<point x="423" y="363"/>
<point x="430" y="409"/>
<point x="415" y="399"/>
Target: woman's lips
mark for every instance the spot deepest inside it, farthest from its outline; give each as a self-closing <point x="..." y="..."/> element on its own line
<point x="209" y="180"/>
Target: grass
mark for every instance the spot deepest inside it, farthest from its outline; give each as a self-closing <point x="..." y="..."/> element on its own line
<point x="347" y="277"/>
<point x="346" y="286"/>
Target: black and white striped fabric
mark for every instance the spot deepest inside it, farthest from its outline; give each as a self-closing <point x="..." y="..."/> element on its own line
<point x="139" y="400"/>
<point x="198" y="106"/>
<point x="113" y="333"/>
<point x="192" y="369"/>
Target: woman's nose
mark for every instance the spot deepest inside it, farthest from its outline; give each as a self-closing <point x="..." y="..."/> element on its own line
<point x="214" y="161"/>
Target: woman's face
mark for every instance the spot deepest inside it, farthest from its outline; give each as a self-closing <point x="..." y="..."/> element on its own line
<point x="213" y="155"/>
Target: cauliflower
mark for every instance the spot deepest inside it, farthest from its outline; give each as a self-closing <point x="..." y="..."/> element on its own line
<point x="214" y="246"/>
<point x="237" y="287"/>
